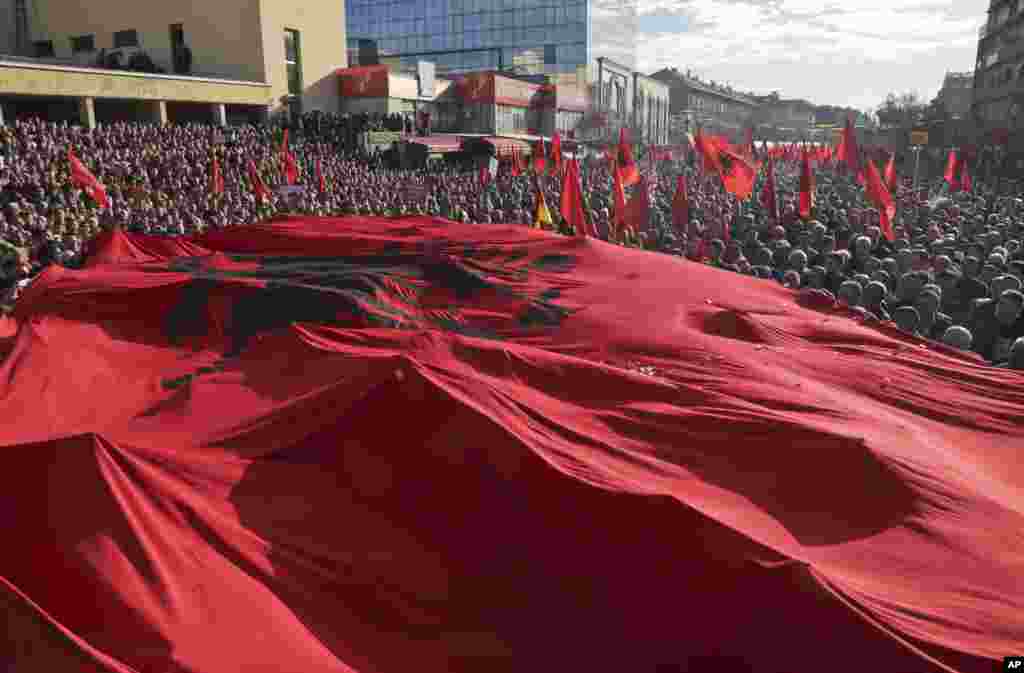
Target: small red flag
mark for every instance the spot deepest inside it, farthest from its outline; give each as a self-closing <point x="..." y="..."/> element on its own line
<point x="258" y="188"/>
<point x="216" y="177"/>
<point x="890" y="174"/>
<point x="954" y="170"/>
<point x="571" y="206"/>
<point x="539" y="161"/>
<point x="879" y="195"/>
<point x="556" y="152"/>
<point x="638" y="210"/>
<point x="624" y="158"/>
<point x="83" y="177"/>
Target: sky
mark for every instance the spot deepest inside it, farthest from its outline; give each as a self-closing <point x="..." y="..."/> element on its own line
<point x="850" y="54"/>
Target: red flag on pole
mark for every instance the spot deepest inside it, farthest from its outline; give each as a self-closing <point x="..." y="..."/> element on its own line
<point x="890" y="174"/>
<point x="624" y="158"/>
<point x="638" y="210"/>
<point x="216" y="177"/>
<point x="556" y="152"/>
<point x="953" y="172"/>
<point x="83" y="177"/>
<point x="737" y="173"/>
<point x="258" y="188"/>
<point x="879" y="195"/>
<point x="539" y="161"/>
<point x="571" y="206"/>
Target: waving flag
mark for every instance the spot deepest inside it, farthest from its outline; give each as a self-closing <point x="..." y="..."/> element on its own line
<point x="625" y="161"/>
<point x="291" y="170"/>
<point x="556" y="154"/>
<point x="878" y="194"/>
<point x="891" y="182"/>
<point x="571" y="205"/>
<point x="83" y="178"/>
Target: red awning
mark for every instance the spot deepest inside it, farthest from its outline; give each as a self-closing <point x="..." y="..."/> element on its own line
<point x="503" y="146"/>
<point x="438" y="144"/>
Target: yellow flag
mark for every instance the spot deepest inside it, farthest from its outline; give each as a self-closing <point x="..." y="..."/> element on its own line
<point x="541" y="214"/>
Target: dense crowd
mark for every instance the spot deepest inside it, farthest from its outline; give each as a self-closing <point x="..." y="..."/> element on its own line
<point x="953" y="274"/>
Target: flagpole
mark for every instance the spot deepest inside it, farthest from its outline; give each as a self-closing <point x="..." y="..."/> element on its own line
<point x="917" y="162"/>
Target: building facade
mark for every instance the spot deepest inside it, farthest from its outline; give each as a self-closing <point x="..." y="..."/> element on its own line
<point x="998" y="83"/>
<point x="956" y="95"/>
<point x="282" y="54"/>
<point x="784" y="119"/>
<point x="518" y="36"/>
<point x="709" y="106"/>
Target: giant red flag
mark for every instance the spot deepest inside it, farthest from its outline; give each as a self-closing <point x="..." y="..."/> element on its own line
<point x="878" y="194"/>
<point x="275" y="471"/>
<point x="891" y="181"/>
<point x="83" y="178"/>
<point x="571" y="204"/>
<point x="681" y="206"/>
<point x="808" y="194"/>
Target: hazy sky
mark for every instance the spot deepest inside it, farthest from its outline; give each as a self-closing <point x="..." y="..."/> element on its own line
<point x="851" y="53"/>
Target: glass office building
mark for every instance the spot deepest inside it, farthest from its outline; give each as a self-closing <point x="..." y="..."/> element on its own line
<point x="528" y="37"/>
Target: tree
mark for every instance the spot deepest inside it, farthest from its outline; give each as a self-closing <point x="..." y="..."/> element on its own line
<point x="901" y="110"/>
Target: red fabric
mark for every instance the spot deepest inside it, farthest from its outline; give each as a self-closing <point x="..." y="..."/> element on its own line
<point x="390" y="445"/>
<point x="769" y="198"/>
<point x="891" y="180"/>
<point x="83" y="178"/>
<point x="681" y="206"/>
<point x="625" y="161"/>
<point x="965" y="178"/>
<point x="807" y="188"/>
<point x="878" y="194"/>
<point x="571" y="205"/>
<point x="848" y="152"/>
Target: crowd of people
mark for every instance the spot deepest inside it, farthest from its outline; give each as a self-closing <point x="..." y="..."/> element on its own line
<point x="953" y="274"/>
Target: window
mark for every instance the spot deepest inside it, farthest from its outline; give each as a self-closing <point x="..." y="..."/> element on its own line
<point x="83" y="43"/>
<point x="126" y="38"/>
<point x="293" y="61"/>
<point x="43" y="49"/>
<point x="550" y="54"/>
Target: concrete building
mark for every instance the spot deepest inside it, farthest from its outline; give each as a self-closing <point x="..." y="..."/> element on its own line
<point x="712" y="107"/>
<point x="784" y="119"/>
<point x="956" y="95"/>
<point x="244" y="58"/>
<point x="998" y="83"/>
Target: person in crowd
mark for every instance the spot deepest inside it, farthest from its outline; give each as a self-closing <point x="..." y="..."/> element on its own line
<point x="953" y="272"/>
